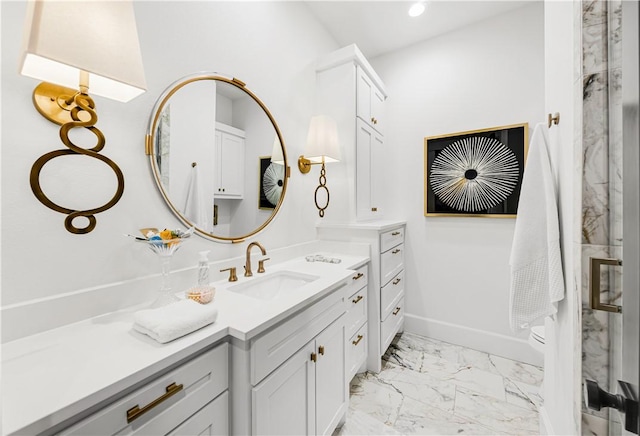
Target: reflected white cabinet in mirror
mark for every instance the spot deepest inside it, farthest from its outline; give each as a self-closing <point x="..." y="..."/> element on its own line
<point x="229" y="157"/>
<point x="206" y="137"/>
<point x="350" y="91"/>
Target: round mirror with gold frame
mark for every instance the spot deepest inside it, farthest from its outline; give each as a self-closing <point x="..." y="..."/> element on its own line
<point x="217" y="157"/>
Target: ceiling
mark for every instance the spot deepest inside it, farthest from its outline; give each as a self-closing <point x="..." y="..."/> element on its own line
<point x="378" y="27"/>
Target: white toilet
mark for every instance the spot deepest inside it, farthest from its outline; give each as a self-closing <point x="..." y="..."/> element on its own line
<point x="536" y="338"/>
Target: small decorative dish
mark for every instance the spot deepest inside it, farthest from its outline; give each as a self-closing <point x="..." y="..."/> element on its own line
<point x="201" y="294"/>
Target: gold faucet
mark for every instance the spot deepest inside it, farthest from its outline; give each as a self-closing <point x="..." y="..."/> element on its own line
<point x="247" y="266"/>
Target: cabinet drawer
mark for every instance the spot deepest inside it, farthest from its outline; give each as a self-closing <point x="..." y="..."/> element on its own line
<point x="391" y="325"/>
<point x="358" y="279"/>
<point x="356" y="312"/>
<point x="281" y="342"/>
<point x="391" y="263"/>
<point x="212" y="419"/>
<point x="389" y="294"/>
<point x="391" y="239"/>
<point x="198" y="382"/>
<point x="356" y="351"/>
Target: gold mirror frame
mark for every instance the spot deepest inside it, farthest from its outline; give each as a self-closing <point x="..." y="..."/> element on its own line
<point x="150" y="150"/>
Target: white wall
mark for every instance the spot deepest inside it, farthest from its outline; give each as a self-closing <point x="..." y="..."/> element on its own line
<point x="487" y="74"/>
<point x="260" y="43"/>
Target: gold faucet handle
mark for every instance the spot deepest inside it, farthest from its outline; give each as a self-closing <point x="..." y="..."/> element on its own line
<point x="261" y="264"/>
<point x="232" y="273"/>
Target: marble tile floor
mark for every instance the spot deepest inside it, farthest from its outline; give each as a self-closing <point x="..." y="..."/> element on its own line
<point x="432" y="387"/>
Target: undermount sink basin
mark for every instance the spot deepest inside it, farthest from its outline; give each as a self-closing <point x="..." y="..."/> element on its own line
<point x="273" y="285"/>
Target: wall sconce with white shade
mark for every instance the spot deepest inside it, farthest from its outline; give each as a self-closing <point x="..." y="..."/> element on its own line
<point x="322" y="147"/>
<point x="73" y="45"/>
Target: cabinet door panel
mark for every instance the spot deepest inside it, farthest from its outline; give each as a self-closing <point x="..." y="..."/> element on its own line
<point x="212" y="419"/>
<point x="284" y="403"/>
<point x="364" y="91"/>
<point x="331" y="384"/>
<point x="231" y="163"/>
<point x="356" y="351"/>
<point x="369" y="103"/>
<point x="369" y="148"/>
<point x="379" y="173"/>
<point x="377" y="110"/>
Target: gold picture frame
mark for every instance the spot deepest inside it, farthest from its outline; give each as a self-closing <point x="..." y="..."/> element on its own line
<point x="475" y="173"/>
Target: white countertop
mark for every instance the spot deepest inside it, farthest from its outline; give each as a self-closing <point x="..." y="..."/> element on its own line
<point x="378" y="225"/>
<point x="52" y="376"/>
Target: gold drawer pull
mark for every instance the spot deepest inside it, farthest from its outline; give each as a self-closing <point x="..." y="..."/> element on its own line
<point x="357" y="341"/>
<point x="357" y="300"/>
<point x="314" y="357"/>
<point x="321" y="350"/>
<point x="396" y="251"/>
<point x="395" y="312"/>
<point x="358" y="276"/>
<point x="396" y="281"/>
<point x="135" y="412"/>
<point x="395" y="233"/>
<point x="374" y="209"/>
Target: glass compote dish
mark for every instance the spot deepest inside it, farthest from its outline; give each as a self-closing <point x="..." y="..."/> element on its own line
<point x="164" y="244"/>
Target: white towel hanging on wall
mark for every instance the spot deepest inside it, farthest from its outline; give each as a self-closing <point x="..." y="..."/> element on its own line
<point x="537" y="282"/>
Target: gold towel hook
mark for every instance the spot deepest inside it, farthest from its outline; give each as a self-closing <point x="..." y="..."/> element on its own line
<point x="554" y="119"/>
<point x="194" y="164"/>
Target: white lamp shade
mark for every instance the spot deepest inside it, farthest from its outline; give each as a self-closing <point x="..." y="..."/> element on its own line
<point x="63" y="38"/>
<point x="276" y="152"/>
<point x="322" y="140"/>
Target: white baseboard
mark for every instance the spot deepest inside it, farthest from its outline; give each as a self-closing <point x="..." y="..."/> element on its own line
<point x="488" y="342"/>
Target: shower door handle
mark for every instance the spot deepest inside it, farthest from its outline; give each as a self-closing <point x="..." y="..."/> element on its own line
<point x="594" y="284"/>
<point x="626" y="402"/>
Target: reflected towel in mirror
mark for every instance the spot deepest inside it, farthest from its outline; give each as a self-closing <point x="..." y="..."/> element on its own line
<point x="194" y="206"/>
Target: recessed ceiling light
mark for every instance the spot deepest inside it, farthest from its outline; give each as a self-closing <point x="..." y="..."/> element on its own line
<point x="416" y="10"/>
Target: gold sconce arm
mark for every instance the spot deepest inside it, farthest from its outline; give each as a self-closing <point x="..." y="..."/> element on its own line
<point x="71" y="109"/>
<point x="304" y="165"/>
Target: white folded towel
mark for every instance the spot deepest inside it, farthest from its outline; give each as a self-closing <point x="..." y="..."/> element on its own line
<point x="537" y="281"/>
<point x="174" y="320"/>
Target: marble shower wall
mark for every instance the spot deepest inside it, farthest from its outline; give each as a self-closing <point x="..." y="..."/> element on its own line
<point x="601" y="133"/>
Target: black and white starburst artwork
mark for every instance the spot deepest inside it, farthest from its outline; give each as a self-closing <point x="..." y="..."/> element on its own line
<point x="273" y="182"/>
<point x="474" y="174"/>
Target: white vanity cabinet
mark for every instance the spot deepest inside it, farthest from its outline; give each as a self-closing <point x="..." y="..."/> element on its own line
<point x="306" y="394"/>
<point x="385" y="289"/>
<point x="229" y="162"/>
<point x="190" y="399"/>
<point x="292" y="378"/>
<point x="350" y="91"/>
